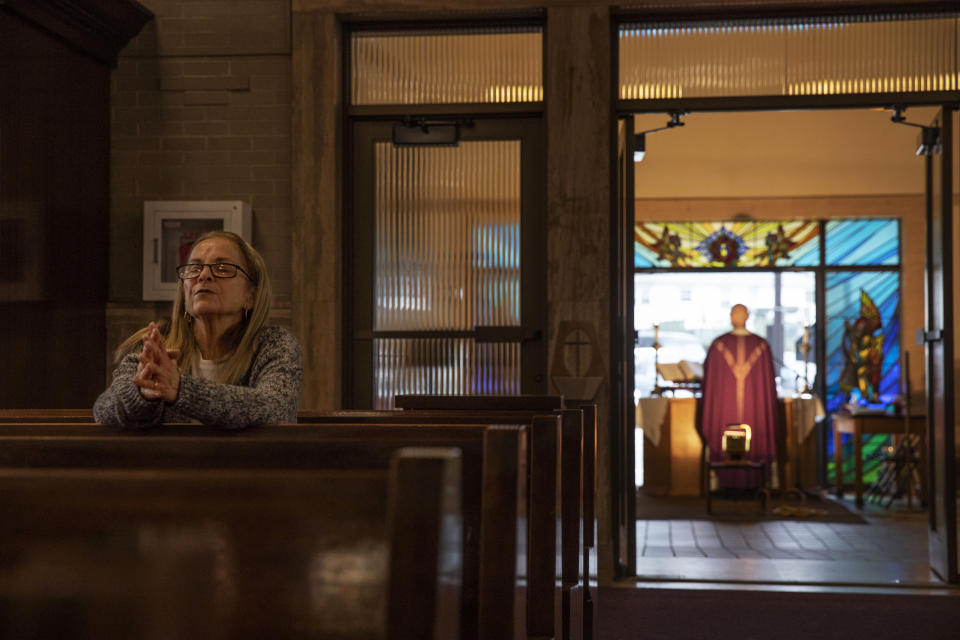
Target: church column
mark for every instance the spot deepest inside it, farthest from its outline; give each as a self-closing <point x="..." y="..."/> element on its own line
<point x="579" y="148"/>
<point x="316" y="238"/>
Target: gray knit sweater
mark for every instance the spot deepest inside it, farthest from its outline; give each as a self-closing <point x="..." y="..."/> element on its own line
<point x="269" y="392"/>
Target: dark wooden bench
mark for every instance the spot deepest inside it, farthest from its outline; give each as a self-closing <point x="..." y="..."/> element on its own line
<point x="433" y="402"/>
<point x="554" y="497"/>
<point x="578" y="485"/>
<point x="577" y="518"/>
<point x="589" y="437"/>
<point x="232" y="553"/>
<point x="46" y="415"/>
<point x="493" y="480"/>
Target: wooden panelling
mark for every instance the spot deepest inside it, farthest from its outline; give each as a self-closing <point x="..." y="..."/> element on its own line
<point x="54" y="178"/>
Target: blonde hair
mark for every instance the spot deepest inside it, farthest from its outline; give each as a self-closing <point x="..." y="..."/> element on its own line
<point x="242" y="339"/>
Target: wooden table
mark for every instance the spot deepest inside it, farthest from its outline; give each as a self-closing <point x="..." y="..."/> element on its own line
<point x="868" y="424"/>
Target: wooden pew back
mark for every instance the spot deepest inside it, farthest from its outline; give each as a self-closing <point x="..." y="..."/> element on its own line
<point x="487" y="495"/>
<point x="117" y="553"/>
<point x="578" y="486"/>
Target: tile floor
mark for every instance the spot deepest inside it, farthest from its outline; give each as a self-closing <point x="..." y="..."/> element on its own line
<point x="890" y="549"/>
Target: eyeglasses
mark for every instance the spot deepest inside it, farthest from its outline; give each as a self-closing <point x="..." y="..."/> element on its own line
<point x="218" y="269"/>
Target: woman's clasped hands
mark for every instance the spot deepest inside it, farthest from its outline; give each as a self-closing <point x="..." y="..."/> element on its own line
<point x="157" y="374"/>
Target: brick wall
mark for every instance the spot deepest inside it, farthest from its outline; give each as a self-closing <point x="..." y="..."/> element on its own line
<point x="201" y="110"/>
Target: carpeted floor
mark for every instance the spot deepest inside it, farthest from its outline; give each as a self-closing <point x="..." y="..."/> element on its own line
<point x="740" y="508"/>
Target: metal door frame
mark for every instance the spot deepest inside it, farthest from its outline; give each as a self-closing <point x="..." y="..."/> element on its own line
<point x="619" y="425"/>
<point x="939" y="340"/>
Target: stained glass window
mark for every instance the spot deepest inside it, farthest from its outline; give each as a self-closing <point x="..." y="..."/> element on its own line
<point x="863" y="337"/>
<point x="783" y="243"/>
<point x="863" y="351"/>
<point x="863" y="242"/>
<point x="862" y="333"/>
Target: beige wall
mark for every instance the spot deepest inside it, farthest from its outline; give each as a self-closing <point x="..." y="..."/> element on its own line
<point x="848" y="152"/>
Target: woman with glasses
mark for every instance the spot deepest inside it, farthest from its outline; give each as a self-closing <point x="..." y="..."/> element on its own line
<point x="217" y="362"/>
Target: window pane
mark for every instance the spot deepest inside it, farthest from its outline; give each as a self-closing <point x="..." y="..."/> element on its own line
<point x="442" y="365"/>
<point x="447" y="249"/>
<point x="494" y="65"/>
<point x="789" y="56"/>
<point x="863" y="338"/>
<point x="863" y="242"/>
<point x="691" y="309"/>
<point x="863" y="351"/>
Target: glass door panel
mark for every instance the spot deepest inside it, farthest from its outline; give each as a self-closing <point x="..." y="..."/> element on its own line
<point x="447" y="230"/>
<point x="444" y="365"/>
<point x="447" y="243"/>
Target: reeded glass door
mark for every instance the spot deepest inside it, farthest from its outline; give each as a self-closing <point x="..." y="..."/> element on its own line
<point x="448" y="263"/>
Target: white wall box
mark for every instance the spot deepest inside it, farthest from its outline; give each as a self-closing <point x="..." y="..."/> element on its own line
<point x="169" y="231"/>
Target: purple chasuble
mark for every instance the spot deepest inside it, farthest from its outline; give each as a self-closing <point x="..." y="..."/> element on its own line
<point x="739" y="387"/>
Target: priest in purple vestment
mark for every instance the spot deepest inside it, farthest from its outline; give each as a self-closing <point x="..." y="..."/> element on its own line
<point x="739" y="388"/>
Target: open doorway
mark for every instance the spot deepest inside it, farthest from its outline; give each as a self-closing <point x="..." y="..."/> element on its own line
<point x="770" y="166"/>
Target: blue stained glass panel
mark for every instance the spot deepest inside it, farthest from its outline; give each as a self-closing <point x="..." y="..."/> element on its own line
<point x="846" y="307"/>
<point x="863" y="242"/>
<point x="643" y="258"/>
<point x="848" y="319"/>
<point x="807" y="254"/>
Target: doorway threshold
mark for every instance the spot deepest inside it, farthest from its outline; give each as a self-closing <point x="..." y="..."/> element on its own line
<point x="785" y="574"/>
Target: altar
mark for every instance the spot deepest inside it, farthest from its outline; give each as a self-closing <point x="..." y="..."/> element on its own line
<point x="672" y="448"/>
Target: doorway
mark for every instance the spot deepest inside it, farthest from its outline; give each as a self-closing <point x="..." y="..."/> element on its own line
<point x="770" y="165"/>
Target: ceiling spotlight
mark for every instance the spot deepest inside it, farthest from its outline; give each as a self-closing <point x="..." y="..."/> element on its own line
<point x="639" y="147"/>
<point x="640" y="141"/>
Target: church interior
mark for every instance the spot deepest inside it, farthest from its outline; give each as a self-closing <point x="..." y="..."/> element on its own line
<point x="612" y="320"/>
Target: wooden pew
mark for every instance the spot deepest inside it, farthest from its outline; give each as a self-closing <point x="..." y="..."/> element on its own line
<point x="229" y="553"/>
<point x="487" y="416"/>
<point x="493" y="479"/>
<point x="575" y="606"/>
<point x="578" y="487"/>
<point x="425" y="402"/>
<point x="46" y="415"/>
<point x="524" y="405"/>
<point x="543" y="465"/>
<point x="575" y="572"/>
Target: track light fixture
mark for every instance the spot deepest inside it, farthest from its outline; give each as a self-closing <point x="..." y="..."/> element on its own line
<point x="929" y="141"/>
<point x="640" y="139"/>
